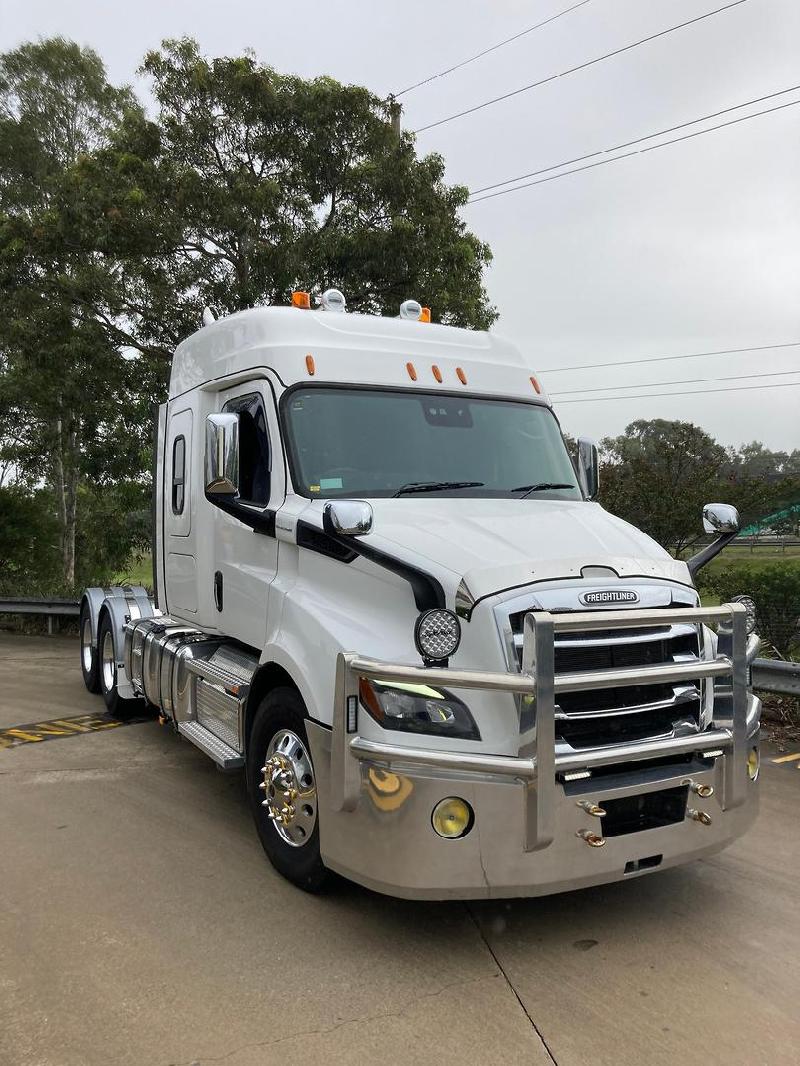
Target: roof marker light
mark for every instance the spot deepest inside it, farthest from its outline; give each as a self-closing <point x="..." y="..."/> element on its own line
<point x="332" y="300"/>
<point x="437" y="373"/>
<point x="411" y="310"/>
<point x="536" y="385"/>
<point x="462" y="377"/>
<point x="411" y="371"/>
<point x="302" y="300"/>
<point x="425" y="314"/>
<point x="310" y="366"/>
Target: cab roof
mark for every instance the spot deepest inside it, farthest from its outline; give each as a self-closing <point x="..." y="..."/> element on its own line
<point x="315" y="346"/>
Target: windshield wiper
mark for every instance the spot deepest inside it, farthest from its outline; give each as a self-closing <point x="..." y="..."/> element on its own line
<point x="436" y="486"/>
<point x="541" y="487"/>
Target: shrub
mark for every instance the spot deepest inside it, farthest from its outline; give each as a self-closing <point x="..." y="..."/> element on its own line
<point x="775" y="589"/>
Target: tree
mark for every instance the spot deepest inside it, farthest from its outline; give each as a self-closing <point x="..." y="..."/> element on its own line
<point x="253" y="183"/>
<point x="61" y="377"/>
<point x="658" y="475"/>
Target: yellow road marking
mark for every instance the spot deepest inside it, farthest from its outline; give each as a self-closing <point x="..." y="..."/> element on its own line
<point x="788" y="758"/>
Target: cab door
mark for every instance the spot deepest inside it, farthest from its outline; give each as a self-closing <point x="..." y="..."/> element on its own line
<point x="245" y="560"/>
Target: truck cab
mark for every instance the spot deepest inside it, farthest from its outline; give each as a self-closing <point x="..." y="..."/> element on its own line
<point x="384" y="589"/>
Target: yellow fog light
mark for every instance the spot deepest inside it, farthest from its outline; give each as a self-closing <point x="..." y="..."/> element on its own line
<point x="452" y="818"/>
<point x="753" y="763"/>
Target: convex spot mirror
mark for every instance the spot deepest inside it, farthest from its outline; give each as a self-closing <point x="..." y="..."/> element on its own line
<point x="351" y="518"/>
<point x="588" y="467"/>
<point x="720" y="518"/>
<point x="222" y="455"/>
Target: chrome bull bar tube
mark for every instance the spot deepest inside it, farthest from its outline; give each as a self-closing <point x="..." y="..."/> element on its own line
<point x="536" y="768"/>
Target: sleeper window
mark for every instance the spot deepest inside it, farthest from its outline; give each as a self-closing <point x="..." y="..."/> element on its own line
<point x="254" y="454"/>
<point x="178" y="474"/>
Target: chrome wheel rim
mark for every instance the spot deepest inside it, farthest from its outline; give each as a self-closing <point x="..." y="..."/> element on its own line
<point x="290" y="791"/>
<point x="108" y="665"/>
<point x="86" y="644"/>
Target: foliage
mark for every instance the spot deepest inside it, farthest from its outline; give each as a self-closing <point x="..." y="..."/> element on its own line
<point x="252" y="183"/>
<point x="775" y="589"/>
<point x="28" y="542"/>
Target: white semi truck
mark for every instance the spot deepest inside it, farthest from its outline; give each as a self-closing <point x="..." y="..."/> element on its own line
<point x="382" y="588"/>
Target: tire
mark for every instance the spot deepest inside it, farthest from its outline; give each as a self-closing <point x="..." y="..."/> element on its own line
<point x="292" y="846"/>
<point x="89" y="657"/>
<point x="107" y="674"/>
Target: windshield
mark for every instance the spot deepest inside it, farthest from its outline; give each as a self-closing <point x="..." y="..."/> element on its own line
<point x="347" y="442"/>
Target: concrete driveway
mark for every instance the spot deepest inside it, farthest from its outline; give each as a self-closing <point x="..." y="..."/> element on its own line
<point x="140" y="924"/>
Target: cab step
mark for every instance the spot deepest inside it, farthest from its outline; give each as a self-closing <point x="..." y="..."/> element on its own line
<point x="226" y="757"/>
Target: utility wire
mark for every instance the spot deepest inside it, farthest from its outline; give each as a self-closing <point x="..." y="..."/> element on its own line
<point x="580" y="66"/>
<point x="685" y="381"/>
<point x="638" y="151"/>
<point x="627" y="144"/>
<point x="685" y="392"/>
<point x="486" y="51"/>
<point x="670" y="358"/>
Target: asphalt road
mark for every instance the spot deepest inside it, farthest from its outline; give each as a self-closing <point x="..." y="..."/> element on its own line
<point x="140" y="924"/>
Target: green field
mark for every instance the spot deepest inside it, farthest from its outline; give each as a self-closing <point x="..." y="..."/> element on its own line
<point x="139" y="571"/>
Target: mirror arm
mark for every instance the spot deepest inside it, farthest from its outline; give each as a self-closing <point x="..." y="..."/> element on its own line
<point x="705" y="555"/>
<point x="259" y="521"/>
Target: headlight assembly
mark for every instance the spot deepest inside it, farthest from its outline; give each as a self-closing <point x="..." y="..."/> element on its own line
<point x="417" y="709"/>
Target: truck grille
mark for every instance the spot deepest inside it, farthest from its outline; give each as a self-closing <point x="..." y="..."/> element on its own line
<point x="611" y="715"/>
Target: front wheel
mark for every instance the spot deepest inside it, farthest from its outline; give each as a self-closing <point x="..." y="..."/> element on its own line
<point x="283" y="792"/>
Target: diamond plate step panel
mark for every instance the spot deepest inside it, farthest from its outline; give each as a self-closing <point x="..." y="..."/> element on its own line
<point x="223" y="755"/>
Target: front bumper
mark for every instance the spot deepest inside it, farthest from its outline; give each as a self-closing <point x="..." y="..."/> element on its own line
<point x="376" y="799"/>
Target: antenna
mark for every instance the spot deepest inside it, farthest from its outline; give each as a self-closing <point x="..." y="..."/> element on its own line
<point x="208" y="316"/>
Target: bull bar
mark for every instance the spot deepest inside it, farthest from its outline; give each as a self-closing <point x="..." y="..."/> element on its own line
<point x="536" y="769"/>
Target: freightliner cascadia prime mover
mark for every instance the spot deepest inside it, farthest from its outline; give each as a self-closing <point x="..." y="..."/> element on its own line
<point x="383" y="589"/>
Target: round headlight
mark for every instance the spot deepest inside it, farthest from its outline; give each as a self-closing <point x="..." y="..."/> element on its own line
<point x="437" y="634"/>
<point x="750" y="607"/>
<point x="452" y="818"/>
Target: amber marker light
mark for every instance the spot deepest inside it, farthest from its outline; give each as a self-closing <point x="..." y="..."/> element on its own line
<point x="437" y="373"/>
<point x="462" y="377"/>
<point x="411" y="371"/>
<point x="302" y="300"/>
<point x="310" y="366"/>
<point x="425" y="314"/>
<point x="536" y="385"/>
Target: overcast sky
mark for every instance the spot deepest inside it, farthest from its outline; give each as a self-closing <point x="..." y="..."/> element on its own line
<point x="694" y="247"/>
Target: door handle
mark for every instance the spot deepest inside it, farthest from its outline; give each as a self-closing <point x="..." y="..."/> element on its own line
<point x="218" y="589"/>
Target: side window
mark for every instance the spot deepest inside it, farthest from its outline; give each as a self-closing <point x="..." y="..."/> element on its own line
<point x="254" y="454"/>
<point x="178" y="474"/>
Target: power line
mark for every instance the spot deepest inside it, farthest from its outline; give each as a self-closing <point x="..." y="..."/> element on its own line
<point x="627" y="144"/>
<point x="685" y="392"/>
<point x="685" y="381"/>
<point x="639" y="151"/>
<point x="493" y="48"/>
<point x="581" y="66"/>
<point x="670" y="358"/>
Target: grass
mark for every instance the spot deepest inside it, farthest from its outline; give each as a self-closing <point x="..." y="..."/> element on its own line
<point x="139" y="571"/>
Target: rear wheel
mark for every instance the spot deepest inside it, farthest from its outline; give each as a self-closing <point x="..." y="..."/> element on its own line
<point x="107" y="670"/>
<point x="89" y="657"/>
<point x="282" y="790"/>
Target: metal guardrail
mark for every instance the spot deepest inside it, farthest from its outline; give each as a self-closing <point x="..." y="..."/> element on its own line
<point x="772" y="675"/>
<point x="51" y="607"/>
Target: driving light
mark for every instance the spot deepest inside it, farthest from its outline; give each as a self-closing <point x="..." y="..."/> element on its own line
<point x="332" y="300"/>
<point x="411" y="310"/>
<point x="417" y="709"/>
<point x="753" y="764"/>
<point x="452" y="818"/>
<point x="437" y="634"/>
<point x="749" y="605"/>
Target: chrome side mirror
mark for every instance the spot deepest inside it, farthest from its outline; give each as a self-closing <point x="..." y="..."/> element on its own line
<point x="222" y="455"/>
<point x="588" y="467"/>
<point x="348" y="518"/>
<point x="720" y="518"/>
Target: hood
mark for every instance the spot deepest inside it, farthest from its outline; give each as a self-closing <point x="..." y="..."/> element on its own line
<point x="501" y="544"/>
